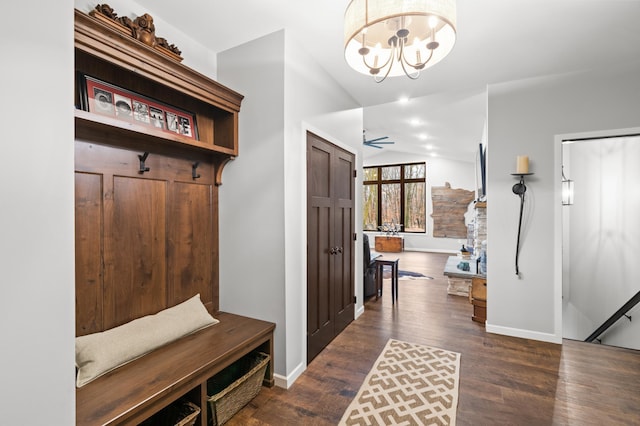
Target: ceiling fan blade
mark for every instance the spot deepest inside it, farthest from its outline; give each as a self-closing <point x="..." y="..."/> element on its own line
<point x="372" y="145"/>
<point x="381" y="143"/>
<point x="377" y="139"/>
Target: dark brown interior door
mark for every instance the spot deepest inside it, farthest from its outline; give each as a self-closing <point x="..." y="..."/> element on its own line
<point x="330" y="257"/>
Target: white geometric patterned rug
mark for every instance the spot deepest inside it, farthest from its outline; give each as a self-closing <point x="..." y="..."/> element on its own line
<point x="409" y="384"/>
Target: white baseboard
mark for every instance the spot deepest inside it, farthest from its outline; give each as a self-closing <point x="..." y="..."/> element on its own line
<point x="423" y="250"/>
<point x="286" y="382"/>
<point x="359" y="312"/>
<point x="524" y="334"/>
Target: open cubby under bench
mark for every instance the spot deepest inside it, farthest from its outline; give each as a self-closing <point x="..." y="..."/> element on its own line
<point x="135" y="391"/>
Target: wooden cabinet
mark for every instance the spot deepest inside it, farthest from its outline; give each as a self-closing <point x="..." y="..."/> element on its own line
<point x="390" y="244"/>
<point x="146" y="203"/>
<point x="479" y="299"/>
<point x="146" y="199"/>
<point x="120" y="60"/>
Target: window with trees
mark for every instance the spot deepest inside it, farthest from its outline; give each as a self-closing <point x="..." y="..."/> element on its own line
<point x="395" y="195"/>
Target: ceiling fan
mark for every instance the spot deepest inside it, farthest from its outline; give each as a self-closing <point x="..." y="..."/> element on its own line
<point x="375" y="142"/>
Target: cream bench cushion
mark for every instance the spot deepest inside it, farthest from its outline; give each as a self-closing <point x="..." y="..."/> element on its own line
<point x="99" y="353"/>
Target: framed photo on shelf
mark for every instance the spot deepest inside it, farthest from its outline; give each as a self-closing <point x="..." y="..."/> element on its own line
<point x="99" y="97"/>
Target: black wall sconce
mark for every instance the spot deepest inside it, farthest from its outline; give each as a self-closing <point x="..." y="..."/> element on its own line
<point x="522" y="170"/>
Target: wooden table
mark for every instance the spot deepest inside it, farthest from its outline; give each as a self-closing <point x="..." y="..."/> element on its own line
<point x="381" y="262"/>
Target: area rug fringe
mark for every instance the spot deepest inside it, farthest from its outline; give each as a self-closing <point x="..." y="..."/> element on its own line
<point x="409" y="384"/>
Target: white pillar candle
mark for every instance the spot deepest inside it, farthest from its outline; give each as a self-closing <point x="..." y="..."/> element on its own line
<point x="522" y="164"/>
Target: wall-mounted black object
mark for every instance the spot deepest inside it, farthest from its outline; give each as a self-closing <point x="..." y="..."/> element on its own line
<point x="519" y="189"/>
<point x="482" y="160"/>
<point x="194" y="174"/>
<point x="142" y="159"/>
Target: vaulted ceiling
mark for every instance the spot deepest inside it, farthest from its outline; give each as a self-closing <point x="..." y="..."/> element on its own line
<point x="497" y="41"/>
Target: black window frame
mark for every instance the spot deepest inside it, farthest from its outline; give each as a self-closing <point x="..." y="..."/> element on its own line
<point x="402" y="181"/>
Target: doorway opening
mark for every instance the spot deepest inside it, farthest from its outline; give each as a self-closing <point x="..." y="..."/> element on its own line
<point x="601" y="237"/>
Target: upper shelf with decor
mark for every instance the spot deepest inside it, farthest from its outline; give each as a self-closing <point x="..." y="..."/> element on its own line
<point x="131" y="87"/>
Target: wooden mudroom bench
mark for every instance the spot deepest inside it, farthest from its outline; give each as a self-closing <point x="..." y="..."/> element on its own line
<point x="152" y="137"/>
<point x="135" y="391"/>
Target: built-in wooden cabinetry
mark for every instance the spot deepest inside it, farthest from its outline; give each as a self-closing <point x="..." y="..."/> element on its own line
<point x="150" y="226"/>
<point x="478" y="298"/>
<point x="147" y="224"/>
<point x="125" y="62"/>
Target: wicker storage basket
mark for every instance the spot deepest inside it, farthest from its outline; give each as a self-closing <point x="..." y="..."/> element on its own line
<point x="180" y="413"/>
<point x="235" y="386"/>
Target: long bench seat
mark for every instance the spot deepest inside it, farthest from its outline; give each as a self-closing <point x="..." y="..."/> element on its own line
<point x="137" y="390"/>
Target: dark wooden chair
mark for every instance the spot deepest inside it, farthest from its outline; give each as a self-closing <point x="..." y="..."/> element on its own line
<point x="369" y="269"/>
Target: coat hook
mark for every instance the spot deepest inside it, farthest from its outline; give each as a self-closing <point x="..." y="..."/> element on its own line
<point x="142" y="159"/>
<point x="194" y="166"/>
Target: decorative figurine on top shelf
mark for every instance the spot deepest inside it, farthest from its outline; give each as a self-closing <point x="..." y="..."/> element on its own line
<point x="141" y="28"/>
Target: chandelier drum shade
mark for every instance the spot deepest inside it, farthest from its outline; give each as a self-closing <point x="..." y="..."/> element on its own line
<point x="387" y="38"/>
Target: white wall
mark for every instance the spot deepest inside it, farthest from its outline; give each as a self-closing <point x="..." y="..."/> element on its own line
<point x="311" y="99"/>
<point x="252" y="263"/>
<point x="523" y="118"/>
<point x="37" y="326"/>
<point x="605" y="232"/>
<point x="263" y="197"/>
<point x="460" y="174"/>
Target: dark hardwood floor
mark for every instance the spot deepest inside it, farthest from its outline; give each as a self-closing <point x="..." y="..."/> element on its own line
<point x="503" y="380"/>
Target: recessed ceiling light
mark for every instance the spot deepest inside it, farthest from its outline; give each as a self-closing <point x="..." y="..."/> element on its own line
<point x="403" y="99"/>
<point x="433" y="154"/>
<point x="429" y="147"/>
<point x="415" y="121"/>
<point x="422" y="136"/>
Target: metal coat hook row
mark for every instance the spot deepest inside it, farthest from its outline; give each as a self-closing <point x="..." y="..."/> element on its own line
<point x="142" y="159"/>
<point x="194" y="174"/>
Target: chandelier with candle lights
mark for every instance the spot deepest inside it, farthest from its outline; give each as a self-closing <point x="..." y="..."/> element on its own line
<point x="387" y="38"/>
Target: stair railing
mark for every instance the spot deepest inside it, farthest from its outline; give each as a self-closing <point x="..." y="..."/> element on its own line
<point x="615" y="317"/>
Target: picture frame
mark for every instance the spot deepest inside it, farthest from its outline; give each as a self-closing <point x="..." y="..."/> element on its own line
<point x="100" y="97"/>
